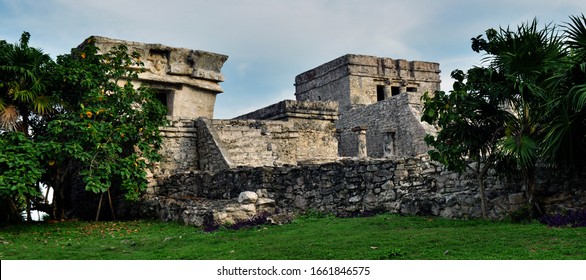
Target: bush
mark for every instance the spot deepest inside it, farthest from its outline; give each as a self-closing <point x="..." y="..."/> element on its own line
<point x="570" y="219"/>
<point x="521" y="215"/>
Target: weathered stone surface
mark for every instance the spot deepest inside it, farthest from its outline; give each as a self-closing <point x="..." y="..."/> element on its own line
<point x="265" y="202"/>
<point x="353" y="79"/>
<point x="517" y="198"/>
<point x="248" y="208"/>
<point x="270" y="143"/>
<point x="189" y="78"/>
<point x="381" y="94"/>
<point x="247" y="197"/>
<point x="296" y="189"/>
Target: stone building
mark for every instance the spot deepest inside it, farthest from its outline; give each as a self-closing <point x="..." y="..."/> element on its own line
<point x="379" y="102"/>
<point x="287" y="133"/>
<point x="187" y="80"/>
<point x="352" y="142"/>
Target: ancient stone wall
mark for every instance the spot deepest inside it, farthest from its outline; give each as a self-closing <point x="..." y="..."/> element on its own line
<point x="189" y="79"/>
<point x="213" y="156"/>
<point x="179" y="149"/>
<point x="393" y="128"/>
<point x="363" y="80"/>
<point x="295" y="110"/>
<point x="412" y="186"/>
<point x="274" y="143"/>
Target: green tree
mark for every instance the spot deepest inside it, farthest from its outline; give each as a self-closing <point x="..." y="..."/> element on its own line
<point x="80" y="119"/>
<point x="471" y="121"/>
<point x="108" y="133"/>
<point x="20" y="172"/>
<point x="532" y="81"/>
<point x="24" y="80"/>
<point x="25" y="99"/>
<point x="523" y="61"/>
<point x="564" y="141"/>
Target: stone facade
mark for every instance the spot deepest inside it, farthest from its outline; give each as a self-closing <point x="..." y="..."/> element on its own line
<point x="187" y="80"/>
<point x="274" y="143"/>
<point x="393" y="128"/>
<point x="379" y="95"/>
<point x="354" y="80"/>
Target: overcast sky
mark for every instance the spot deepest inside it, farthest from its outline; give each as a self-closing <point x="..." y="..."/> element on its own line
<point x="269" y="42"/>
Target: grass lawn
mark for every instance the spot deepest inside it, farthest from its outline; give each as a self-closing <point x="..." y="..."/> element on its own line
<point x="307" y="238"/>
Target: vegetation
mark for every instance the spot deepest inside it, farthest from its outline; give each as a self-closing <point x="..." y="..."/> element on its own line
<point x="78" y="117"/>
<point x="322" y="238"/>
<point x="526" y="106"/>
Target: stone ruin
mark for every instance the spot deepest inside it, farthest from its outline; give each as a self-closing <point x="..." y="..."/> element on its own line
<point x="351" y="142"/>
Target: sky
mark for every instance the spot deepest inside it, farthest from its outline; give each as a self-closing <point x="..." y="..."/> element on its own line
<point x="269" y="42"/>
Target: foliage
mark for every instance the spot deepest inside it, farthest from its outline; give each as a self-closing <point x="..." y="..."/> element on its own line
<point x="113" y="131"/>
<point x="571" y="219"/>
<point x="24" y="78"/>
<point x="472" y="122"/>
<point x="85" y="118"/>
<point x="522" y="108"/>
<point x="20" y="170"/>
<point x="470" y="119"/>
<point x="372" y="238"/>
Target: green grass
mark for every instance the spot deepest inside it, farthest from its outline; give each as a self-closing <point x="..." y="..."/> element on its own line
<point x="307" y="238"/>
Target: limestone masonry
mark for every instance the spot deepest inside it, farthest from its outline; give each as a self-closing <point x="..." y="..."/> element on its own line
<point x="352" y="142"/>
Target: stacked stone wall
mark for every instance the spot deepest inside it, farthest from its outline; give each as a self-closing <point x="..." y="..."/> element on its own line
<point x="399" y="115"/>
<point x="213" y="156"/>
<point x="179" y="149"/>
<point x="274" y="143"/>
<point x="413" y="186"/>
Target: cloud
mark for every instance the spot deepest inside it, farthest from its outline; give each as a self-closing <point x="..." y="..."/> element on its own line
<point x="269" y="42"/>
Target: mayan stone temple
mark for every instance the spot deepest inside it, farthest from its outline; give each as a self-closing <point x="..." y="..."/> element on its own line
<point x="351" y="142"/>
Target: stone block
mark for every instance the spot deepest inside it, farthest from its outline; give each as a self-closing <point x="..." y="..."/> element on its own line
<point x="388" y="185"/>
<point x="355" y="199"/>
<point x="248" y="208"/>
<point x="265" y="202"/>
<point x="517" y="198"/>
<point x="247" y="197"/>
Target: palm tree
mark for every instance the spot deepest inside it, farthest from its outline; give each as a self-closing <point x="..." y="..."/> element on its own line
<point x="542" y="75"/>
<point x="565" y="141"/>
<point x="24" y="79"/>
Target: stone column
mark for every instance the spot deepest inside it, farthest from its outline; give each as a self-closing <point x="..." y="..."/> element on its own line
<point x="403" y="87"/>
<point x="361" y="136"/>
<point x="388" y="91"/>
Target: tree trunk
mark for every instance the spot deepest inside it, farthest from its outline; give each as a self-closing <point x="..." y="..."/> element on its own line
<point x="111" y="206"/>
<point x="482" y="195"/>
<point x="480" y="174"/>
<point x="29" y="217"/>
<point x="59" y="192"/>
<point x="529" y="175"/>
<point x="99" y="207"/>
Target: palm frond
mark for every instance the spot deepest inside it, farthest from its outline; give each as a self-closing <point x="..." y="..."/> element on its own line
<point x="9" y="118"/>
<point x="578" y="92"/>
<point x="43" y="104"/>
<point x="522" y="149"/>
<point x="576" y="34"/>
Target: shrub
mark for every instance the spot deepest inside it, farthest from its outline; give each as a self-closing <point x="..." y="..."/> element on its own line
<point x="570" y="218"/>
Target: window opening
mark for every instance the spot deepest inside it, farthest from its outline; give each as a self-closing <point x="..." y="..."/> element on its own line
<point x="380" y="93"/>
<point x="395" y="91"/>
<point x="163" y="96"/>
